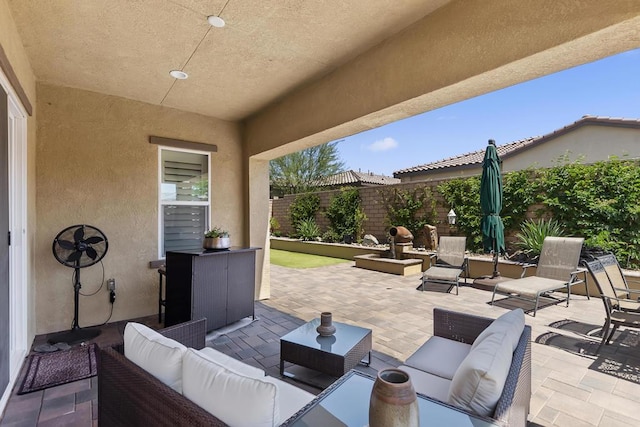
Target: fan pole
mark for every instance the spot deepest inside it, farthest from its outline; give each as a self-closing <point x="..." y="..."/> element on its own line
<point x="76" y="297"/>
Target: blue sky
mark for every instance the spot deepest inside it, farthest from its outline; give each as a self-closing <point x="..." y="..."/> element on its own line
<point x="608" y="87"/>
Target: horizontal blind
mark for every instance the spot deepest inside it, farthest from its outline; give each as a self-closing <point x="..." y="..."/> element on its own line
<point x="184" y="227"/>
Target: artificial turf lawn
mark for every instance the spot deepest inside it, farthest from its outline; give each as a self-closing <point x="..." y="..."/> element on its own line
<point x="299" y="260"/>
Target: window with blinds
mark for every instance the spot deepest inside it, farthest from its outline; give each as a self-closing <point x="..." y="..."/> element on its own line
<point x="184" y="199"/>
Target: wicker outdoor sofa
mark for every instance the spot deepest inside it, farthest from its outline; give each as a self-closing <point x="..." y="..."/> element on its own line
<point x="129" y="396"/>
<point x="433" y="366"/>
<point x="169" y="378"/>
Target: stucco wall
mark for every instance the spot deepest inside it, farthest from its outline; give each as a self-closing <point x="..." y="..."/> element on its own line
<point x="95" y="166"/>
<point x="13" y="48"/>
<point x="586" y="144"/>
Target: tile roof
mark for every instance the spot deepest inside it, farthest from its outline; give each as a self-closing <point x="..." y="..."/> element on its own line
<point x="511" y="148"/>
<point x="352" y="177"/>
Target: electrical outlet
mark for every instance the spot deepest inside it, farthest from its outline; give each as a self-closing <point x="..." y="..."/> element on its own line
<point x="111" y="285"/>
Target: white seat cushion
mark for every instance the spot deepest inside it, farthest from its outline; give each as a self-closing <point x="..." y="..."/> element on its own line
<point x="478" y="382"/>
<point x="231" y="363"/>
<point x="236" y="399"/>
<point x="158" y="355"/>
<point x="290" y="398"/>
<point x="439" y="356"/>
<point x="430" y="385"/>
<point x="510" y="326"/>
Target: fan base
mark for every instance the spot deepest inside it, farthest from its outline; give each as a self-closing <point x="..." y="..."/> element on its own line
<point x="74" y="336"/>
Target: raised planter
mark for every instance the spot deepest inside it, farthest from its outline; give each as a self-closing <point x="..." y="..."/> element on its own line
<point x="402" y="267"/>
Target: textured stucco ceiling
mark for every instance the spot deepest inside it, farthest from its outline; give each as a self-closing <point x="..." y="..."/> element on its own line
<point x="267" y="48"/>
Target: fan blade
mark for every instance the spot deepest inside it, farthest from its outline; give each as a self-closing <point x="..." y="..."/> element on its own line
<point x="92" y="253"/>
<point x="65" y="244"/>
<point x="78" y="235"/>
<point x="74" y="256"/>
<point x="93" y="240"/>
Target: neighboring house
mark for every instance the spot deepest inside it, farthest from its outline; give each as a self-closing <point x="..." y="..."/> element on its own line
<point x="348" y="178"/>
<point x="352" y="178"/>
<point x="86" y="85"/>
<point x="587" y="140"/>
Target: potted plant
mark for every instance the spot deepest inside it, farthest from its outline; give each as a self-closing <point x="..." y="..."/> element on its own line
<point x="216" y="238"/>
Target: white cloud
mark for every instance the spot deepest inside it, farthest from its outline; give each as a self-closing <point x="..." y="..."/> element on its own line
<point x="383" y="144"/>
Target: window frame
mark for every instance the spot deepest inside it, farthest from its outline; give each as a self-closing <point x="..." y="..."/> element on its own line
<point x="162" y="203"/>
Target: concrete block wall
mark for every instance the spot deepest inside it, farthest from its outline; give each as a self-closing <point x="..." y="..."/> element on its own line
<point x="372" y="205"/>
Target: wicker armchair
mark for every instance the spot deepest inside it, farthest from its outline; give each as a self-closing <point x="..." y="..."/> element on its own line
<point x="129" y="396"/>
<point x="513" y="406"/>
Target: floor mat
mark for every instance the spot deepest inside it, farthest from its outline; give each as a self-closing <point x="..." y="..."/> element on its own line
<point x="46" y="370"/>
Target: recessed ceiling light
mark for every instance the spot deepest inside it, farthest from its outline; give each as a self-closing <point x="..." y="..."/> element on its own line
<point x="177" y="74"/>
<point x="215" y="21"/>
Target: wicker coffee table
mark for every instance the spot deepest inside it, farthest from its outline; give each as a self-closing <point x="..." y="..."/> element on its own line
<point x="334" y="355"/>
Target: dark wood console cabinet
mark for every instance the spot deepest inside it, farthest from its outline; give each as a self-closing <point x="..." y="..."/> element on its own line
<point x="218" y="285"/>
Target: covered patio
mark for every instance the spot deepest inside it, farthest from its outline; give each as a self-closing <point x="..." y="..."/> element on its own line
<point x="571" y="386"/>
<point x="87" y="107"/>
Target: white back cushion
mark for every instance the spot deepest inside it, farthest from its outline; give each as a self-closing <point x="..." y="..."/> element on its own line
<point x="510" y="326"/>
<point x="236" y="399"/>
<point x="478" y="382"/>
<point x="231" y="363"/>
<point x="158" y="355"/>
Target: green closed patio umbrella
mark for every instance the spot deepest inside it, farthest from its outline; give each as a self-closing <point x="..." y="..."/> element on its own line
<point x="491" y="205"/>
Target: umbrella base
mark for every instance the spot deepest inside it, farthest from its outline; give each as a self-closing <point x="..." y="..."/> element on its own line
<point x="488" y="283"/>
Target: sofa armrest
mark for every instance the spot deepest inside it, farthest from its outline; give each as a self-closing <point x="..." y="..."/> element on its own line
<point x="458" y="326"/>
<point x="191" y="334"/>
<point x="129" y="396"/>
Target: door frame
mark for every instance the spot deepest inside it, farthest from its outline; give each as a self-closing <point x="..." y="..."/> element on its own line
<point x="18" y="250"/>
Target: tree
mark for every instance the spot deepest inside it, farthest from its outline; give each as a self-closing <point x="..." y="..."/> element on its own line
<point x="295" y="172"/>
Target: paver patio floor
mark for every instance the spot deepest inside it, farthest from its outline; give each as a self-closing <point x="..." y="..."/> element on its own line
<point x="571" y="386"/>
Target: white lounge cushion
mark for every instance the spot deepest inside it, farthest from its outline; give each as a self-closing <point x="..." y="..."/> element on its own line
<point x="478" y="383"/>
<point x="236" y="399"/>
<point x="290" y="398"/>
<point x="158" y="355"/>
<point x="231" y="363"/>
<point x="428" y="384"/>
<point x="510" y="326"/>
<point x="439" y="356"/>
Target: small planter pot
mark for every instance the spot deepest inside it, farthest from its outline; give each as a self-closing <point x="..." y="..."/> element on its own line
<point x="216" y="243"/>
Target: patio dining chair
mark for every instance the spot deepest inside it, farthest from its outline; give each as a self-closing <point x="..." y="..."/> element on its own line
<point x="615" y="314"/>
<point x="628" y="298"/>
<point x="557" y="269"/>
<point x="447" y="264"/>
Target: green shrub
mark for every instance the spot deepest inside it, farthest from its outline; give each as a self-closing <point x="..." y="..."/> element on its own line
<point x="308" y="229"/>
<point x="532" y="235"/>
<point x="274" y="226"/>
<point x="303" y="207"/>
<point x="345" y="214"/>
<point x="413" y="209"/>
<point x="331" y="236"/>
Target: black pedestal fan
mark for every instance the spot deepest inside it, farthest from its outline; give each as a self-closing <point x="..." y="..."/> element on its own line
<point x="78" y="246"/>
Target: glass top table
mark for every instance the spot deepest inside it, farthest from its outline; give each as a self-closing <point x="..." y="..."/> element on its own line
<point x="334" y="355"/>
<point x="346" y="403"/>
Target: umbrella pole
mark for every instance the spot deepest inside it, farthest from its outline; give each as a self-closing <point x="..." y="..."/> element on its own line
<point x="496" y="273"/>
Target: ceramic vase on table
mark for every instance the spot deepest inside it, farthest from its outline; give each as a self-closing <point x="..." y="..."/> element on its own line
<point x="326" y="328"/>
<point x="393" y="400"/>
